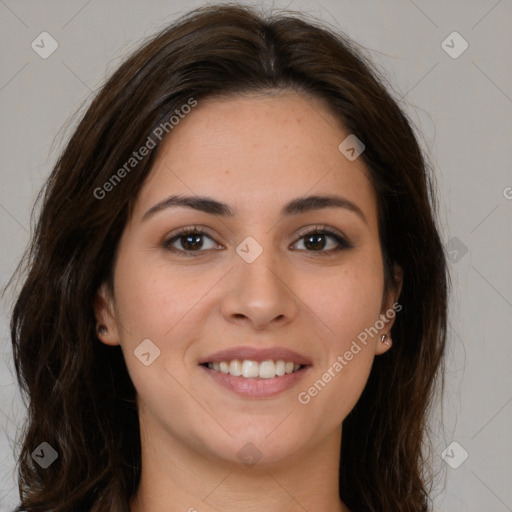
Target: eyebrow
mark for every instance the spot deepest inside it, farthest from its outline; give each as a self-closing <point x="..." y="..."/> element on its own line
<point x="295" y="207"/>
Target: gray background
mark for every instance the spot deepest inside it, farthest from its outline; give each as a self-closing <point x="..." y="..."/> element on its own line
<point x="463" y="109"/>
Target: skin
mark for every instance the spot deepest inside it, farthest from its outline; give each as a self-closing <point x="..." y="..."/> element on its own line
<point x="254" y="153"/>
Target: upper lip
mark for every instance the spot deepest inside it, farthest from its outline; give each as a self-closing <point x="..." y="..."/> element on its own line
<point x="256" y="354"/>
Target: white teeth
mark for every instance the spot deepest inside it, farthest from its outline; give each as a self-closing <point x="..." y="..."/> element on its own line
<point x="252" y="369"/>
<point x="235" y="368"/>
<point x="267" y="370"/>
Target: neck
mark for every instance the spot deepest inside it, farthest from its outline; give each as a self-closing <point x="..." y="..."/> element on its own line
<point x="176" y="477"/>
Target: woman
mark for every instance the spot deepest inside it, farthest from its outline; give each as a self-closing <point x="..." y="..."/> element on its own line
<point x="236" y="292"/>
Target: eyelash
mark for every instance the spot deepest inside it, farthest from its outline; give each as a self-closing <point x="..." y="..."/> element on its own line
<point x="323" y="230"/>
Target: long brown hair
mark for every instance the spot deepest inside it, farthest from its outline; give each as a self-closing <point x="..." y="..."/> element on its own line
<point x="80" y="398"/>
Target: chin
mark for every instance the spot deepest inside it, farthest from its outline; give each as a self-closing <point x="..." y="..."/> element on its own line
<point x="256" y="446"/>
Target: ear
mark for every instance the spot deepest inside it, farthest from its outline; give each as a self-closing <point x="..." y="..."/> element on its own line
<point x="390" y="308"/>
<point x="104" y="312"/>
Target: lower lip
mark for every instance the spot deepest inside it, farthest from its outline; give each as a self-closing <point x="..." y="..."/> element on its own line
<point x="256" y="388"/>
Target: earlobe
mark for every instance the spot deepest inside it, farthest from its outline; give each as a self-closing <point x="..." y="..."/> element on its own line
<point x="106" y="324"/>
<point x="383" y="344"/>
<point x="385" y="339"/>
<point x="391" y="308"/>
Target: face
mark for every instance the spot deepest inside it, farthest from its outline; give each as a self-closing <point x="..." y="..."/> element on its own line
<point x="269" y="277"/>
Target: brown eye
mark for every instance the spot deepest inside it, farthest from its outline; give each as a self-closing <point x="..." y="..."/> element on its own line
<point x="188" y="240"/>
<point x="315" y="241"/>
<point x="191" y="242"/>
<point x="318" y="241"/>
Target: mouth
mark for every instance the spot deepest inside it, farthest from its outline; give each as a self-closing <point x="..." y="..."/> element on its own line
<point x="258" y="377"/>
<point x="255" y="372"/>
<point x="251" y="369"/>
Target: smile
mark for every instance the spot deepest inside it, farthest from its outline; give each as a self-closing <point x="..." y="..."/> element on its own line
<point x="250" y="369"/>
<point x="254" y="380"/>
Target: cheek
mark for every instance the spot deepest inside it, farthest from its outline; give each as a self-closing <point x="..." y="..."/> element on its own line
<point x="156" y="304"/>
<point x="347" y="302"/>
<point x="151" y="300"/>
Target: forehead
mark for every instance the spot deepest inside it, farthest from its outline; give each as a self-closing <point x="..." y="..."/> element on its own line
<point x="258" y="151"/>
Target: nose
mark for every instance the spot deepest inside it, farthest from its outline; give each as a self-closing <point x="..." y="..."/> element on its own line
<point x="261" y="294"/>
